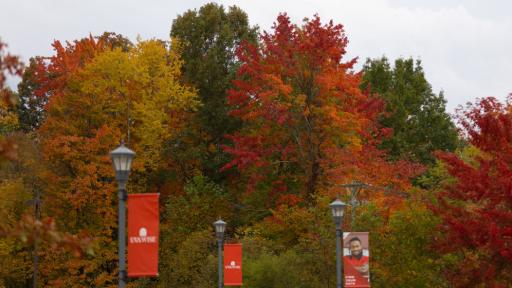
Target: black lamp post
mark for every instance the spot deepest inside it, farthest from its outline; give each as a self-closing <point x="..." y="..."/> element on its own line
<point x="122" y="160"/>
<point x="338" y="208"/>
<point x="220" y="227"/>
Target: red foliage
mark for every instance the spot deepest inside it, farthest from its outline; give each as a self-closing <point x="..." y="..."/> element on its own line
<point x="52" y="73"/>
<point x="476" y="210"/>
<point x="303" y="113"/>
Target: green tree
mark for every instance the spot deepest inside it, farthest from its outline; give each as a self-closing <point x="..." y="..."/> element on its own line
<point x="401" y="249"/>
<point x="417" y="115"/>
<point x="288" y="269"/>
<point x="192" y="264"/>
<point x="294" y="247"/>
<point x="30" y="108"/>
<point x="210" y="37"/>
<point x="189" y="217"/>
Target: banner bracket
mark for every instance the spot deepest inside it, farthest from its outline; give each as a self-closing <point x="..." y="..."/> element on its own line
<point x="124" y="194"/>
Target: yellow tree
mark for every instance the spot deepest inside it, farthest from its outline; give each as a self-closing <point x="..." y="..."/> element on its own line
<point x="135" y="95"/>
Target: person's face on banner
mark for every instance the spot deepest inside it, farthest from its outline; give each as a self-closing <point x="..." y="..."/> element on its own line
<point x="356" y="248"/>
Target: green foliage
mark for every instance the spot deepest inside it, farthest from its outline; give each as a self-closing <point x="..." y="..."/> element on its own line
<point x="30" y="108"/>
<point x="210" y="37"/>
<point x="192" y="264"/>
<point x="187" y="233"/>
<point x="401" y="251"/>
<point x="200" y="205"/>
<point x="294" y="247"/>
<point x="288" y="269"/>
<point x="417" y="116"/>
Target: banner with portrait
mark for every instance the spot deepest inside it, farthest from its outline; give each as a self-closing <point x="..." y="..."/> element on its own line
<point x="356" y="256"/>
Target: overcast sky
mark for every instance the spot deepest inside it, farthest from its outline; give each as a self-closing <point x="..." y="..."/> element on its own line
<point x="465" y="46"/>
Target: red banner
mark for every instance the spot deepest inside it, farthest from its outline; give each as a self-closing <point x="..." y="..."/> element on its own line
<point x="143" y="235"/>
<point x="233" y="264"/>
<point x="356" y="256"/>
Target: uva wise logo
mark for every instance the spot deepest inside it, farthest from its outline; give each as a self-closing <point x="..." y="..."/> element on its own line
<point x="232" y="265"/>
<point x="143" y="237"/>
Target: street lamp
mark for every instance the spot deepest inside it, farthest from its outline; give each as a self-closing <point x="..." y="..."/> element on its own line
<point x="338" y="208"/>
<point x="220" y="227"/>
<point x="122" y="160"/>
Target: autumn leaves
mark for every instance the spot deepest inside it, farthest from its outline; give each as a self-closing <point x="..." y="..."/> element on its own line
<point x="260" y="130"/>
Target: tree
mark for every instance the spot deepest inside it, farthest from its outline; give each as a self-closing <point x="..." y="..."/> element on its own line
<point x="402" y="252"/>
<point x="9" y="65"/>
<point x="34" y="88"/>
<point x="53" y="72"/>
<point x="193" y="264"/>
<point x="210" y="37"/>
<point x="288" y="269"/>
<point x="417" y="116"/>
<point x="114" y="41"/>
<point x="31" y="107"/>
<point x="303" y="116"/>
<point x="475" y="207"/>
<point x="135" y="95"/>
<point x="15" y="257"/>
<point x="188" y="224"/>
<point x="23" y="228"/>
<point x="20" y="231"/>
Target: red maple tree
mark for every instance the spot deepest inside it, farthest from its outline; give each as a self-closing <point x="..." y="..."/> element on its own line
<point x="303" y="115"/>
<point x="476" y="210"/>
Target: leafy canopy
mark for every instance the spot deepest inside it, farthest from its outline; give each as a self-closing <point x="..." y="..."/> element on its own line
<point x="476" y="207"/>
<point x="415" y="114"/>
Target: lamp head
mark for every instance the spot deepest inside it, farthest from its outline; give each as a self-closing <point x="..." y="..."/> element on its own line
<point x="338" y="209"/>
<point x="122" y="161"/>
<point x="220" y="228"/>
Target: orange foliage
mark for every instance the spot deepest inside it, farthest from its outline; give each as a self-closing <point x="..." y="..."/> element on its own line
<point x="53" y="72"/>
<point x="307" y="125"/>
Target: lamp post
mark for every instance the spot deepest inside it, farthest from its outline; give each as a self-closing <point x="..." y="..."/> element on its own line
<point x="122" y="160"/>
<point x="220" y="227"/>
<point x="338" y="208"/>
